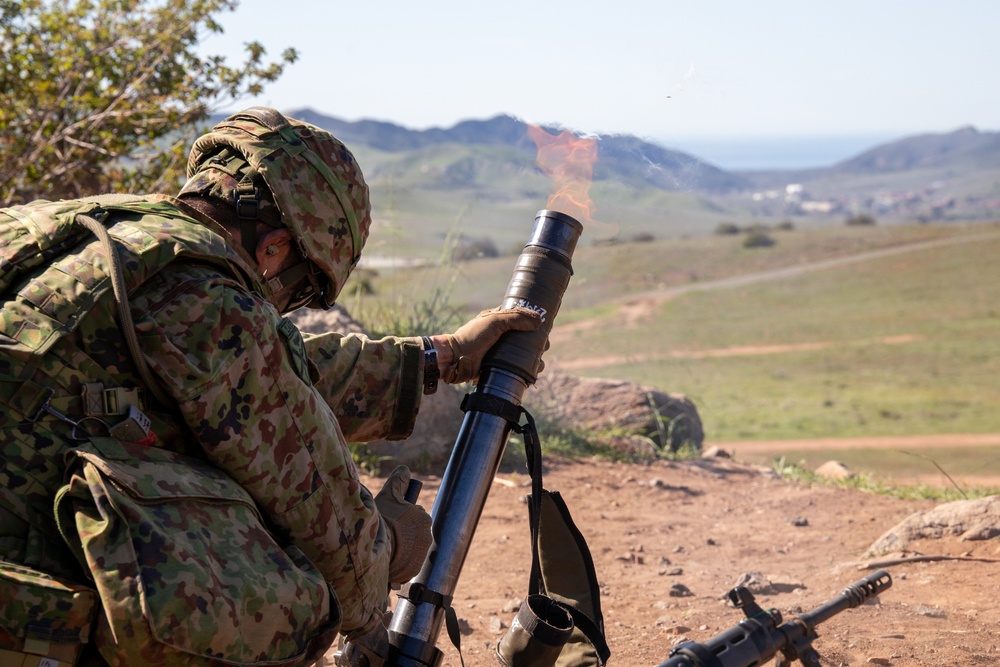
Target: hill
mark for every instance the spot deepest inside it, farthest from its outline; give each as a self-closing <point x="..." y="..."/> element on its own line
<point x="633" y="160"/>
<point x="479" y="178"/>
<point x="965" y="148"/>
<point x="624" y="158"/>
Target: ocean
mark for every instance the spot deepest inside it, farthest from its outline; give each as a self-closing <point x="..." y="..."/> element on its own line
<point x="762" y="153"/>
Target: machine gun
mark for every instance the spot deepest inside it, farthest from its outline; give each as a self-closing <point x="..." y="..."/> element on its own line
<point x="761" y="635"/>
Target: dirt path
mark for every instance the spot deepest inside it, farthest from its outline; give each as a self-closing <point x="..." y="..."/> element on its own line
<point x="733" y="351"/>
<point x="881" y="442"/>
<point x="987" y="477"/>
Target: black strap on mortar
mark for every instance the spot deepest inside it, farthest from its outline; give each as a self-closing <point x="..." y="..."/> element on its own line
<point x="417" y="593"/>
<point x="512" y="413"/>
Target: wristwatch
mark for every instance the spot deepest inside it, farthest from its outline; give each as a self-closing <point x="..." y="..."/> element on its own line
<point x="431" y="371"/>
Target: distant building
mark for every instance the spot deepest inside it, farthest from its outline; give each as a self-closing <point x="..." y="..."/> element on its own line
<point x="819" y="206"/>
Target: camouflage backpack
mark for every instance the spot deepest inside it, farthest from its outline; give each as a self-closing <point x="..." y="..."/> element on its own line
<point x="136" y="519"/>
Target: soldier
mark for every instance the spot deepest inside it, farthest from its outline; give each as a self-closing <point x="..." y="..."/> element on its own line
<point x="175" y="485"/>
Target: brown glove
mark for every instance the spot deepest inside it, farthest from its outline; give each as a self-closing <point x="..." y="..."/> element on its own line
<point x="475" y="338"/>
<point x="409" y="524"/>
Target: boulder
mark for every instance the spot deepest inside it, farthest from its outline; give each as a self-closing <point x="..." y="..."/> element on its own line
<point x="315" y="321"/>
<point x="834" y="470"/>
<point x="977" y="519"/>
<point x="617" y="408"/>
<point x="428" y="448"/>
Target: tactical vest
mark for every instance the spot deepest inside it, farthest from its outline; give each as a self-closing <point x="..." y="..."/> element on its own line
<point x="63" y="356"/>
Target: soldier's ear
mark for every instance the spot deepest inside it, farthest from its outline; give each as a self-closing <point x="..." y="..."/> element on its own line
<point x="273" y="250"/>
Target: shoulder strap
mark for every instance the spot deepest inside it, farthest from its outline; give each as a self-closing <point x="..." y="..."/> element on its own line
<point x="121" y="294"/>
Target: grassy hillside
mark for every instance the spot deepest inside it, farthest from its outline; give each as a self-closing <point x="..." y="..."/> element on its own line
<point x="904" y="344"/>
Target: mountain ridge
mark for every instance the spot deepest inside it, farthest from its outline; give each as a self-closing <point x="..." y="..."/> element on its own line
<point x="485" y="172"/>
<point x="651" y="163"/>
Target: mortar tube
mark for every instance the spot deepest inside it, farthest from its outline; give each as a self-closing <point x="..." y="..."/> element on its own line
<point x="539" y="280"/>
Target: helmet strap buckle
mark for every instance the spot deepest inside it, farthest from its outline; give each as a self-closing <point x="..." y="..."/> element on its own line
<point x="247" y="201"/>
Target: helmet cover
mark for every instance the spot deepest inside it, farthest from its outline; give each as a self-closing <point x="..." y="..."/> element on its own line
<point x="314" y="182"/>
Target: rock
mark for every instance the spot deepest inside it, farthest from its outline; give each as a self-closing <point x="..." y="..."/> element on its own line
<point x="799" y="521"/>
<point x="834" y="470"/>
<point x="511" y="606"/>
<point x="428" y="448"/>
<point x="312" y="321"/>
<point x="679" y="590"/>
<point x="497" y="626"/>
<point x="631" y="558"/>
<point x="716" y="452"/>
<point x="931" y="612"/>
<point x="675" y="629"/>
<point x="977" y="519"/>
<point x="594" y="404"/>
<point x="755" y="582"/>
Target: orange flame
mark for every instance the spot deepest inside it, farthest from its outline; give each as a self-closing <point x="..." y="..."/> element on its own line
<point x="569" y="161"/>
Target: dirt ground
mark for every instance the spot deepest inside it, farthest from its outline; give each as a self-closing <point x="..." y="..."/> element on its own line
<point x="705" y="523"/>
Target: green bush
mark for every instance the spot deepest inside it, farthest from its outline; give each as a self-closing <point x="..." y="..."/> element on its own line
<point x="467" y="249"/>
<point x="758" y="240"/>
<point x="860" y="220"/>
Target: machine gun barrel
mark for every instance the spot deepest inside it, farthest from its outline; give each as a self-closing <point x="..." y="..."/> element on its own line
<point x="761" y="635"/>
<point x="540" y="278"/>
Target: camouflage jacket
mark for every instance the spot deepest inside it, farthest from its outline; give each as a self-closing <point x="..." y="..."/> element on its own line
<point x="273" y="410"/>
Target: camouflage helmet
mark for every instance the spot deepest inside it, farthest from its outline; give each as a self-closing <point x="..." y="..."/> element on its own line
<point x="314" y="182"/>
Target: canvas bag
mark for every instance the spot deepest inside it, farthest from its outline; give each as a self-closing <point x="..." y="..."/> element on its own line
<point x="186" y="571"/>
<point x="560" y="623"/>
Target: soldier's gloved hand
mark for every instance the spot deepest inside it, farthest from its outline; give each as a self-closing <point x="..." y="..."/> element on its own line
<point x="409" y="525"/>
<point x="475" y="338"/>
<point x="365" y="650"/>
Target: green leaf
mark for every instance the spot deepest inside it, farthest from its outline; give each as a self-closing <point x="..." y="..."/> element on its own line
<point x="105" y="95"/>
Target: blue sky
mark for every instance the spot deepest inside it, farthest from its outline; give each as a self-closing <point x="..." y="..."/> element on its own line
<point x="666" y="70"/>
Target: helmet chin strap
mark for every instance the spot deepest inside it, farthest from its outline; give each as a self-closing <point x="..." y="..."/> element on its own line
<point x="298" y="286"/>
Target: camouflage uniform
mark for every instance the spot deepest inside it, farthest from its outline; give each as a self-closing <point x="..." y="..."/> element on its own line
<point x="271" y="409"/>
